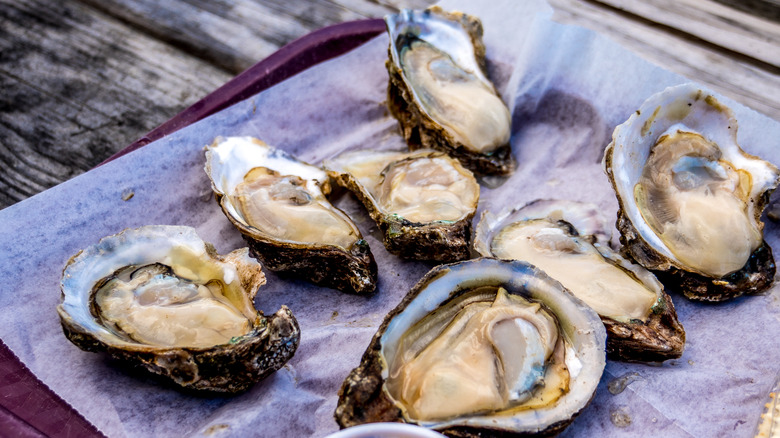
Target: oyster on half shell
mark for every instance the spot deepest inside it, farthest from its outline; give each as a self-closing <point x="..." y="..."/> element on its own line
<point x="570" y="242"/>
<point x="278" y="204"/>
<point x="422" y="201"/>
<point x="483" y="347"/>
<point x="161" y="299"/>
<point x="690" y="199"/>
<point x="439" y="91"/>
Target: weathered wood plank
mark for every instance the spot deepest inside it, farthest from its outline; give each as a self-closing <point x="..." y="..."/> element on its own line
<point x="768" y="9"/>
<point x="84" y="78"/>
<point x="147" y="60"/>
<point x="721" y="25"/>
<point x="734" y="77"/>
<point x="75" y="91"/>
<point x="234" y="35"/>
<point x="230" y="35"/>
<point x="406" y="4"/>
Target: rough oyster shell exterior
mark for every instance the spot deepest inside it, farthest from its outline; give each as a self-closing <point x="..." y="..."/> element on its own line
<point x="660" y="337"/>
<point x="226" y="368"/>
<point x="350" y="269"/>
<point x="417" y="127"/>
<point x="363" y="397"/>
<point x="437" y="240"/>
<point x="686" y="104"/>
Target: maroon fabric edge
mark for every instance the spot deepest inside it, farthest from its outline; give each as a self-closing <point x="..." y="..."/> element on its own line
<point x="28" y="408"/>
<point x="318" y="46"/>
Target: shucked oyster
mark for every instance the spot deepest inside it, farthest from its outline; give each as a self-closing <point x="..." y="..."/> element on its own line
<point x="439" y="92"/>
<point x="569" y="241"/>
<point x="161" y="299"/>
<point x="423" y="201"/>
<point x="690" y="198"/>
<point x="483" y="347"/>
<point x="278" y="204"/>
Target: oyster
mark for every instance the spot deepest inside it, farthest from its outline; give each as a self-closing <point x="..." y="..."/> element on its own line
<point x="570" y="242"/>
<point x="423" y="201"/>
<point x="278" y="204"/>
<point x="439" y="91"/>
<point x="159" y="298"/>
<point x="690" y="199"/>
<point x="483" y="347"/>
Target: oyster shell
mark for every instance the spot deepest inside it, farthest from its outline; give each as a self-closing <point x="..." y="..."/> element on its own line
<point x="159" y="298"/>
<point x="278" y="204"/>
<point x="439" y="91"/>
<point x="690" y="199"/>
<point x="448" y="357"/>
<point x="570" y="242"/>
<point x="423" y="201"/>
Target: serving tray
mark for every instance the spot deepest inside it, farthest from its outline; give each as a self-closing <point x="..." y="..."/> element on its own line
<point x="28" y="408"/>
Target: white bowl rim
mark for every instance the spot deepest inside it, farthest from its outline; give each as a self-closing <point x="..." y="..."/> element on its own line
<point x="383" y="430"/>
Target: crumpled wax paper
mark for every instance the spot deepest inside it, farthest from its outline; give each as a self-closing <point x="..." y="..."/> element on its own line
<point x="567" y="88"/>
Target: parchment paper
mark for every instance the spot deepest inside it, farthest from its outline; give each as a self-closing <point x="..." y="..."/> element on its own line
<point x="567" y="88"/>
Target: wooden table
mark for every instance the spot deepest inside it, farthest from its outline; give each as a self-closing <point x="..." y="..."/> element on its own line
<point x="82" y="79"/>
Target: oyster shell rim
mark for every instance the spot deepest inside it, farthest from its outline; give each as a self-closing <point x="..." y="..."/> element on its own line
<point x="758" y="272"/>
<point x="418" y="128"/>
<point x="443" y="241"/>
<point x="224" y="201"/>
<point x="660" y="338"/>
<point x="352" y="270"/>
<point x="225" y="368"/>
<point x="363" y="397"/>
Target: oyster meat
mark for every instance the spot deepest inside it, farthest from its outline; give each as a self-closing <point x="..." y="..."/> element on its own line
<point x="483" y="347"/>
<point x="439" y="91"/>
<point x="278" y="204"/>
<point x="570" y="242"/>
<point x="690" y="198"/>
<point x="422" y="201"/>
<point x="161" y="299"/>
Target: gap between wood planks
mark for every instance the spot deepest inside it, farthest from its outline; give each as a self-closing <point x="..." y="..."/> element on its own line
<point x="233" y="35"/>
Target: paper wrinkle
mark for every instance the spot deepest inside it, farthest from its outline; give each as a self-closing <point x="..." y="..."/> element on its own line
<point x="567" y="88"/>
<point x="628" y="400"/>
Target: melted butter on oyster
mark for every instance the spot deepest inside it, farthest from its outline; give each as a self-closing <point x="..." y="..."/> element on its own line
<point x="462" y="102"/>
<point x="697" y="203"/>
<point x="486" y="351"/>
<point x="151" y="305"/>
<point x="285" y="206"/>
<point x="578" y="265"/>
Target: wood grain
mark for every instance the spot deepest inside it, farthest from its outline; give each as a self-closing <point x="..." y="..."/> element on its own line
<point x="723" y="26"/>
<point x="768" y="9"/>
<point x="82" y="79"/>
<point x="731" y="74"/>
<point x="232" y="35"/>
<point x="78" y="86"/>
